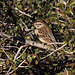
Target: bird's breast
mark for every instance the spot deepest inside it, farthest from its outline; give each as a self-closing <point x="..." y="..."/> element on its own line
<point x="36" y="31"/>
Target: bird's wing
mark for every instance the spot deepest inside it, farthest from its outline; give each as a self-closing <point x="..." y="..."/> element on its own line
<point x="52" y="37"/>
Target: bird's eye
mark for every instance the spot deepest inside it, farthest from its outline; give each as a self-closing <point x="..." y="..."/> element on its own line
<point x="39" y="24"/>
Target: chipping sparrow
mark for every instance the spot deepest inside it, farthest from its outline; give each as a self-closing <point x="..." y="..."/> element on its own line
<point x="44" y="34"/>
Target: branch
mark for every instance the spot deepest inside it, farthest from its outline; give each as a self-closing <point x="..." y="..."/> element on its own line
<point x="66" y="71"/>
<point x="72" y="29"/>
<point x="32" y="43"/>
<point x="20" y="65"/>
<point x="5" y="35"/>
<point x="22" y="12"/>
<point x="17" y="67"/>
<point x="22" y="53"/>
<point x="26" y="28"/>
<point x="10" y="47"/>
<point x="24" y="24"/>
<point x="19" y="51"/>
<point x="6" y="53"/>
<point x="8" y="71"/>
<point x="5" y="24"/>
<point x="62" y="11"/>
<point x="55" y="50"/>
<point x="2" y="59"/>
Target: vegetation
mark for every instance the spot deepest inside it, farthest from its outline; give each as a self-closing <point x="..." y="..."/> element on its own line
<point x="16" y="26"/>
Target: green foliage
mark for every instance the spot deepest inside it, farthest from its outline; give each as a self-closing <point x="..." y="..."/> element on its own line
<point x="57" y="16"/>
<point x="29" y="59"/>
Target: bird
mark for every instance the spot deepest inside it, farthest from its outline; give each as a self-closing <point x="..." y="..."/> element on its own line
<point x="44" y="33"/>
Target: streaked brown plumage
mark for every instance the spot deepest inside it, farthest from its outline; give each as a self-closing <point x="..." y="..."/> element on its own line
<point x="45" y="34"/>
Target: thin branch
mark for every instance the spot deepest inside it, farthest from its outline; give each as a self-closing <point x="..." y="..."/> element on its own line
<point x="20" y="65"/>
<point x="68" y="19"/>
<point x="64" y="2"/>
<point x="56" y="43"/>
<point x="23" y="66"/>
<point x="22" y="12"/>
<point x="68" y="52"/>
<point x="24" y="23"/>
<point x="29" y="42"/>
<point x="33" y="43"/>
<point x="4" y="49"/>
<point x="66" y="71"/>
<point x="2" y="59"/>
<point x="5" y="24"/>
<point x="17" y="67"/>
<point x="30" y="32"/>
<point x="2" y="62"/>
<point x="67" y="1"/>
<point x="11" y="47"/>
<point x="6" y="53"/>
<point x="22" y="53"/>
<point x="55" y="50"/>
<point x="26" y="28"/>
<point x="62" y="11"/>
<point x="5" y="35"/>
<point x="19" y="51"/>
<point x="8" y="71"/>
<point x="72" y="29"/>
<point x="72" y="13"/>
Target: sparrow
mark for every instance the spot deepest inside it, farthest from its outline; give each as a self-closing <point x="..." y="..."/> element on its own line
<point x="44" y="33"/>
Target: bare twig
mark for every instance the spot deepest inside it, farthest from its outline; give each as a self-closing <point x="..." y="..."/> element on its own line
<point x="29" y="42"/>
<point x="68" y="19"/>
<point x="26" y="28"/>
<point x="23" y="66"/>
<point x="67" y="1"/>
<point x="24" y="23"/>
<point x="5" y="35"/>
<point x="2" y="63"/>
<point x="62" y="10"/>
<point x="4" y="24"/>
<point x="33" y="43"/>
<point x="68" y="52"/>
<point x="19" y="51"/>
<point x="55" y="50"/>
<point x="17" y="67"/>
<point x="22" y="12"/>
<point x="22" y="53"/>
<point x="5" y="53"/>
<point x="10" y="47"/>
<point x="72" y="13"/>
<point x="66" y="71"/>
<point x="63" y="2"/>
<point x="8" y="71"/>
<point x="30" y="32"/>
<point x="2" y="59"/>
<point x="72" y="29"/>
<point x="20" y="65"/>
<point x="56" y="43"/>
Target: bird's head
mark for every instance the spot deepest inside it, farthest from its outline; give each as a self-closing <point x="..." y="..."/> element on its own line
<point x="38" y="23"/>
